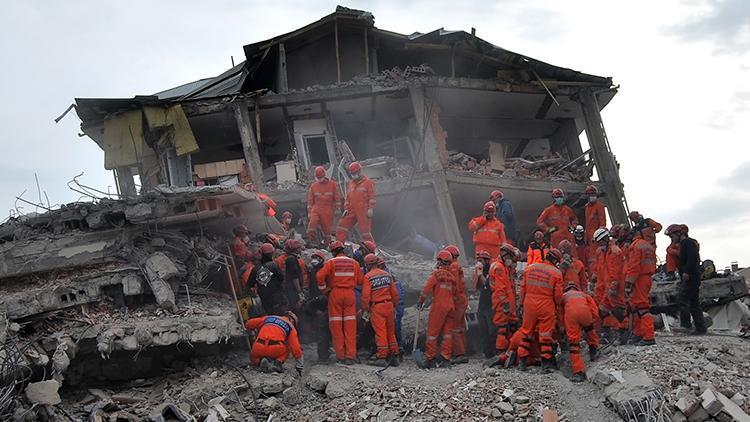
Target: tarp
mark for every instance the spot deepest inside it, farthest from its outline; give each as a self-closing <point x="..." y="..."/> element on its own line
<point x="123" y="139"/>
<point x="174" y="119"/>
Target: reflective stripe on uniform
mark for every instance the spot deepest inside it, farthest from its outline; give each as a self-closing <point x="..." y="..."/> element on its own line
<point x="342" y="274"/>
<point x="335" y="318"/>
<point x="349" y="318"/>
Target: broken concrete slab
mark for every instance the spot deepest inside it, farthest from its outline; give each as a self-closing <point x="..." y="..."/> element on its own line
<point x="43" y="392"/>
<point x="632" y="391"/>
<point x="159" y="270"/>
<point x="711" y="403"/>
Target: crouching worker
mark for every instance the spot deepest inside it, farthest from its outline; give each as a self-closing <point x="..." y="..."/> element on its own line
<point x="441" y="285"/>
<point x="276" y="339"/>
<point x="579" y="313"/>
<point x="379" y="299"/>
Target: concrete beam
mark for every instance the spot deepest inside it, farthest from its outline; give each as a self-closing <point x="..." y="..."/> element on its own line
<point x="249" y="143"/>
<point x="282" y="81"/>
<point x="125" y="182"/>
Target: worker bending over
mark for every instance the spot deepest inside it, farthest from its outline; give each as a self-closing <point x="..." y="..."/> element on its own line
<point x="647" y="226"/>
<point x="276" y="339"/>
<point x="579" y="313"/>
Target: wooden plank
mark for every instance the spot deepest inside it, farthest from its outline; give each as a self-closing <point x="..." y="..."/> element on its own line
<point x="249" y="144"/>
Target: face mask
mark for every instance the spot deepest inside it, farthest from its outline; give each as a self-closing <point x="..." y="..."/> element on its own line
<point x="315" y="262"/>
<point x="356" y="176"/>
<point x="485" y="267"/>
<point x="288" y="221"/>
<point x="592" y="198"/>
<point x="321" y="179"/>
<point x="559" y="201"/>
<point x="246" y="239"/>
<point x="508" y="262"/>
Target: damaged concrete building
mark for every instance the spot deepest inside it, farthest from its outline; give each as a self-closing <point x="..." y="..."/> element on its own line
<point x="438" y="119"/>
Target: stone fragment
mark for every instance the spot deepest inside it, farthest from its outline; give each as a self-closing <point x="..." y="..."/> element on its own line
<point x="126" y="399"/>
<point x="159" y="269"/>
<point x="738" y="399"/>
<point x="711" y="402"/>
<point x="335" y="389"/>
<point x="688" y="405"/>
<point x="291" y="395"/>
<point x="602" y="378"/>
<point x="700" y="415"/>
<point x="271" y="403"/>
<point x="272" y="385"/>
<point x="731" y="411"/>
<point x="504" y="407"/>
<point x="678" y="417"/>
<point x="43" y="392"/>
<point x="520" y="399"/>
<point x="317" y="382"/>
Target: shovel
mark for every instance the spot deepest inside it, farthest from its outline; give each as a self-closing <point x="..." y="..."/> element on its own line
<point x="417" y="354"/>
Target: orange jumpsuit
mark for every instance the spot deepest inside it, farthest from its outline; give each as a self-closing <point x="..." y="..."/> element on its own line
<point x="561" y="217"/>
<point x="281" y="263"/>
<point x="640" y="267"/>
<point x="380" y="298"/>
<point x="458" y="316"/>
<point x="488" y="235"/>
<point x="441" y="284"/>
<point x="648" y="232"/>
<point x="341" y="275"/>
<point x="596" y="217"/>
<point x="609" y="292"/>
<point x="579" y="312"/>
<point x="576" y="273"/>
<point x="360" y="197"/>
<point x="673" y="257"/>
<point x="503" y="303"/>
<point x="269" y="203"/>
<point x="323" y="199"/>
<point x="276" y="338"/>
<point x="536" y="253"/>
<point x="240" y="250"/>
<point x="541" y="293"/>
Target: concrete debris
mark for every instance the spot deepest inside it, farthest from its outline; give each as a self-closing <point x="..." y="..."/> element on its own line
<point x="159" y="270"/>
<point x="541" y="168"/>
<point x="43" y="392"/>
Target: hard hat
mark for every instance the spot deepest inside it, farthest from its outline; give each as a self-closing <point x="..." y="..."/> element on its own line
<point x="673" y="228"/>
<point x="633" y="215"/>
<point x="489" y="206"/>
<point x="516" y="253"/>
<point x="579" y="229"/>
<point x="600" y="234"/>
<point x="371" y="259"/>
<point x="320" y="254"/>
<point x="292" y="245"/>
<point x="292" y="317"/>
<point x="355" y="167"/>
<point x="266" y="249"/>
<point x="591" y="190"/>
<point x="557" y="193"/>
<point x="565" y="246"/>
<point x="453" y="249"/>
<point x="240" y="229"/>
<point x="570" y="286"/>
<point x="483" y="255"/>
<point x="335" y="245"/>
<point x="369" y="245"/>
<point x="684" y="228"/>
<point x="381" y="261"/>
<point x="286" y="214"/>
<point x="554" y="256"/>
<point x="616" y="231"/>
<point x="495" y="195"/>
<point x="444" y="257"/>
<point x="320" y="171"/>
<point x="508" y="248"/>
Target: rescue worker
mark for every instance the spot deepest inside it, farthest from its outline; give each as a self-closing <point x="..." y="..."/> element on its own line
<point x="503" y="300"/>
<point x="399" y="306"/>
<point x="572" y="268"/>
<point x="286" y="220"/>
<point x="541" y="295"/>
<point x="292" y="267"/>
<point x="595" y="214"/>
<point x="538" y="248"/>
<point x="323" y="200"/>
<point x="241" y="244"/>
<point x="504" y="211"/>
<point x="690" y="275"/>
<point x="585" y="249"/>
<point x="646" y="226"/>
<point x="317" y="309"/>
<point x="639" y="269"/>
<point x="379" y="299"/>
<point x="268" y="280"/>
<point x="461" y="303"/>
<point x="338" y="278"/>
<point x="609" y="291"/>
<point x="558" y="218"/>
<point x="359" y="205"/>
<point x="489" y="232"/>
<point x="485" y="313"/>
<point x="365" y="248"/>
<point x="673" y="252"/>
<point x="267" y="201"/>
<point x="276" y="339"/>
<point x="579" y="313"/>
<point x="441" y="285"/>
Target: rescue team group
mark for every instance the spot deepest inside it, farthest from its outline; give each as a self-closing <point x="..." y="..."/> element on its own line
<point x="580" y="282"/>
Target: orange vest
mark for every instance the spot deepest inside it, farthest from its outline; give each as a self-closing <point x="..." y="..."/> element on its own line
<point x="542" y="281"/>
<point x="641" y="260"/>
<point x="534" y="255"/>
<point x="323" y="195"/>
<point x="595" y="218"/>
<point x="442" y="285"/>
<point x="576" y="273"/>
<point x="360" y="194"/>
<point x="281" y="263"/>
<point x="487" y="232"/>
<point x="458" y="272"/>
<point x="379" y="286"/>
<point x="559" y="216"/>
<point x="340" y="272"/>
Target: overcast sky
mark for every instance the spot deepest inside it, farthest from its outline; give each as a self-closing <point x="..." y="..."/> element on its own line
<point x="679" y="125"/>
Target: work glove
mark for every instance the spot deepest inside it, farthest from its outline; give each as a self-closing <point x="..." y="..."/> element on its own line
<point x="300" y="365"/>
<point x="345" y="213"/>
<point x="369" y="213"/>
<point x="420" y="305"/>
<point x="366" y="316"/>
<point x="302" y="296"/>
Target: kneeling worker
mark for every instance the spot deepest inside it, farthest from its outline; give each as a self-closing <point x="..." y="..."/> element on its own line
<point x="277" y="337"/>
<point x="379" y="299"/>
<point x="579" y="312"/>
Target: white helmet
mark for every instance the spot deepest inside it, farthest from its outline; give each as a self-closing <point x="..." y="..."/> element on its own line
<point x="601" y="234"/>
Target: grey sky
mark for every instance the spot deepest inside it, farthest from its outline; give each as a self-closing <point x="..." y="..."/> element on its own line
<point x="679" y="125"/>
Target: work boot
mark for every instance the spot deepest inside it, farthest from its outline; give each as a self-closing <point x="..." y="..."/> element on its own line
<point x="395" y="361"/>
<point x="622" y="337"/>
<point x="277" y="366"/>
<point x="459" y="360"/>
<point x="699" y="332"/>
<point x="376" y="361"/>
<point x="635" y="340"/>
<point x="647" y="343"/>
<point x="522" y="364"/>
<point x="606" y="335"/>
<point x="511" y="359"/>
<point x="429" y="364"/>
<point x="578" y="377"/>
<point x="266" y="365"/>
<point x="348" y="362"/>
<point x="593" y="353"/>
<point x="442" y="362"/>
<point x="547" y="366"/>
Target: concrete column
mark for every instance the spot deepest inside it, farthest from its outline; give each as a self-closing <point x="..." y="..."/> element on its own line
<point x="125" y="182"/>
<point x="249" y="144"/>
<point x="282" y="81"/>
<point x="420" y="104"/>
<point x="606" y="166"/>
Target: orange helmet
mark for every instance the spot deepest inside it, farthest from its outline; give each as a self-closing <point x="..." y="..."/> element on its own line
<point x="381" y="261"/>
<point x="286" y="214"/>
<point x="495" y="195"/>
<point x="557" y="193"/>
<point x="484" y="255"/>
<point x="508" y="248"/>
<point x="570" y="286"/>
<point x="292" y="245"/>
<point x="684" y="228"/>
<point x="371" y="259"/>
<point x="267" y="249"/>
<point x="369" y="245"/>
<point x="335" y="245"/>
<point x="673" y="228"/>
<point x="453" y="249"/>
<point x="591" y="190"/>
<point x="554" y="256"/>
<point x="489" y="206"/>
<point x="320" y="171"/>
<point x="633" y="215"/>
<point x="320" y="254"/>
<point x="565" y="246"/>
<point x="444" y="257"/>
<point x="355" y="167"/>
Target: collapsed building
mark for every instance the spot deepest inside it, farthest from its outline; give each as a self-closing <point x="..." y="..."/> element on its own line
<point x="140" y="284"/>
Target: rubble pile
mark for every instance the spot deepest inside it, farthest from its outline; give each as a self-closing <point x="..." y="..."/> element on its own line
<point x="552" y="168"/>
<point x="389" y="78"/>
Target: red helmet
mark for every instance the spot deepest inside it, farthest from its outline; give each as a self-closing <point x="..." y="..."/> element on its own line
<point x="381" y="261"/>
<point x="489" y="206"/>
<point x="292" y="245"/>
<point x="495" y="195"/>
<point x="453" y="249"/>
<point x="335" y="245"/>
<point x="557" y="193"/>
<point x="633" y="215"/>
<point x="507" y="248"/>
<point x="286" y="214"/>
<point x="517" y="253"/>
<point x="565" y="246"/>
<point x="355" y="167"/>
<point x="320" y="254"/>
<point x="267" y="249"/>
<point x="369" y="245"/>
<point x="484" y="255"/>
<point x="320" y="171"/>
<point x="444" y="257"/>
<point x="371" y="259"/>
<point x="673" y="228"/>
<point x="684" y="228"/>
<point x="292" y="317"/>
<point x="554" y="256"/>
<point x="240" y="229"/>
<point x="591" y="190"/>
<point x="616" y="231"/>
<point x="570" y="286"/>
<point x="251" y="187"/>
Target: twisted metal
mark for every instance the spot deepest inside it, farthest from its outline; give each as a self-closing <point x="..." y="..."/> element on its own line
<point x="14" y="374"/>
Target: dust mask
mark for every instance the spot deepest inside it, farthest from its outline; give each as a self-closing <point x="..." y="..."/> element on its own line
<point x="592" y="198"/>
<point x="508" y="262"/>
<point x="559" y="201"/>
